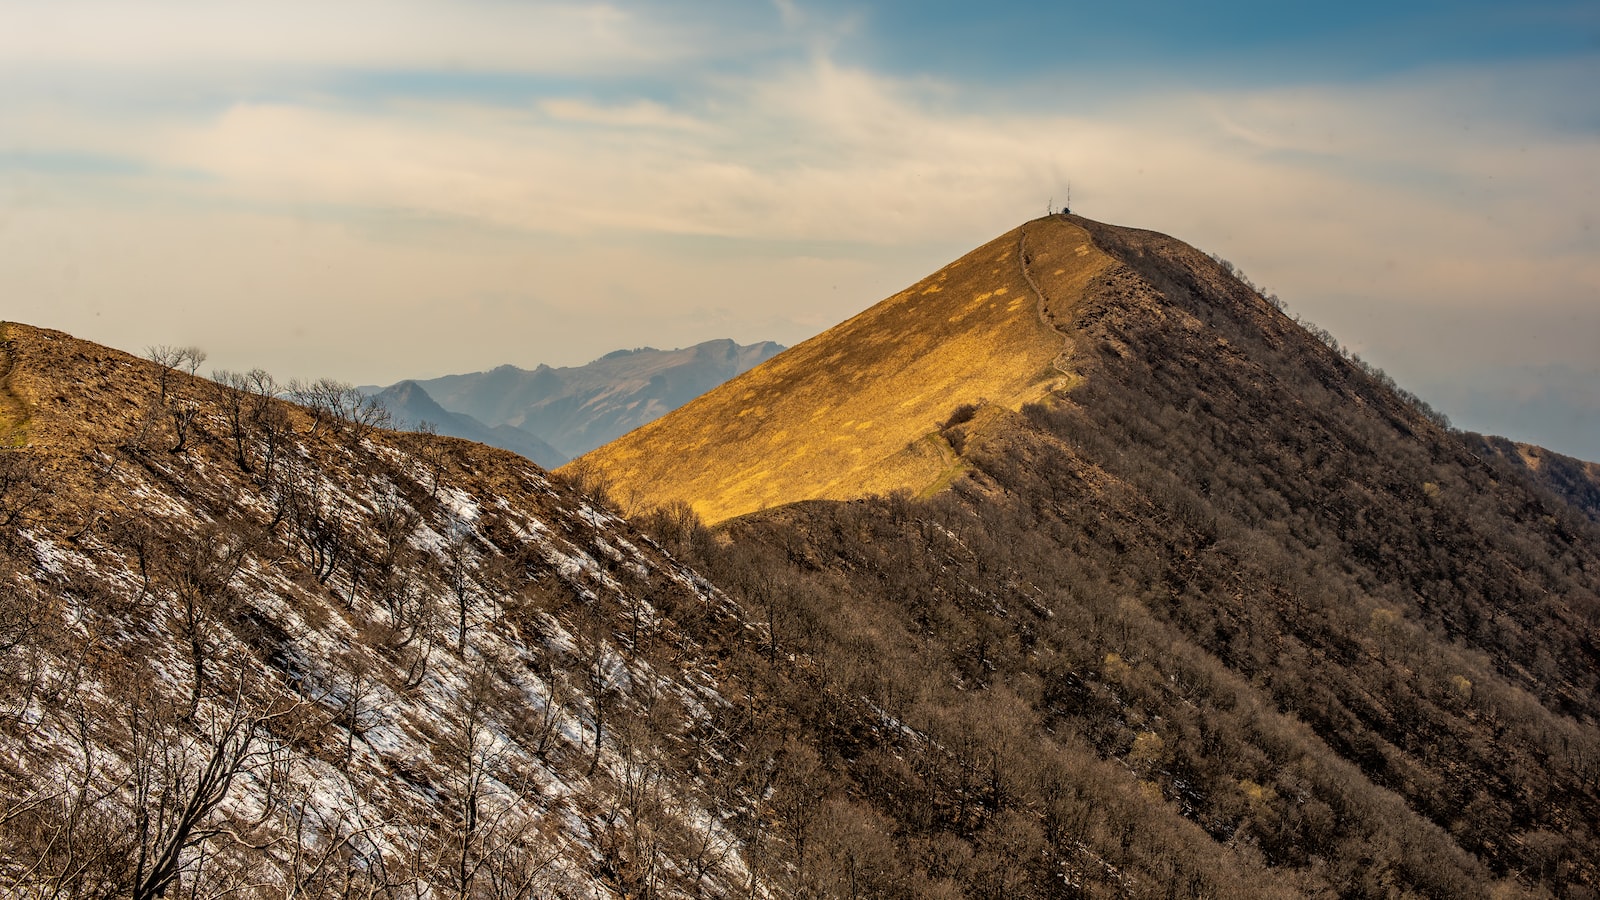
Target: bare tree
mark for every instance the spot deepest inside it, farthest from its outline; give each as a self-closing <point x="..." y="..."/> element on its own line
<point x="184" y="414"/>
<point x="485" y="821"/>
<point x="336" y="404"/>
<point x="461" y="563"/>
<point x="63" y="838"/>
<point x="394" y="521"/>
<point x="243" y="399"/>
<point x="599" y="680"/>
<point x="538" y="730"/>
<point x="358" y="685"/>
<point x="409" y="604"/>
<point x="329" y="851"/>
<point x="179" y="779"/>
<point x="200" y="573"/>
<point x="23" y="489"/>
<point x="431" y="453"/>
<point x="171" y="359"/>
<point x="28" y="629"/>
<point x="495" y="845"/>
<point x="318" y="523"/>
<point x="641" y="828"/>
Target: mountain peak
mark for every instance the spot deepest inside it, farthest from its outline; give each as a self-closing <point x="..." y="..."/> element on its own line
<point x="412" y="406"/>
<point x="1034" y="313"/>
<point x="857" y="409"/>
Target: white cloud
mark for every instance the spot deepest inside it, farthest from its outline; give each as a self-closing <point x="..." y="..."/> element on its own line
<point x="642" y="114"/>
<point x="466" y="35"/>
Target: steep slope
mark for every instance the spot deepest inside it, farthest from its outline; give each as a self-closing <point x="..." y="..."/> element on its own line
<point x="1292" y="608"/>
<point x="578" y="408"/>
<point x="856" y="409"/>
<point x="411" y="408"/>
<point x="262" y="650"/>
<point x="1224" y="615"/>
<point x="254" y="649"/>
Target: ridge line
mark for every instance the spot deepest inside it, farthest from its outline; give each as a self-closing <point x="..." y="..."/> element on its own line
<point x="1042" y="306"/>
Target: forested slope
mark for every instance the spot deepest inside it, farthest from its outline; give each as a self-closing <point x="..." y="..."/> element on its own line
<point x="1230" y="602"/>
<point x="257" y="649"/>
<point x="1574" y="480"/>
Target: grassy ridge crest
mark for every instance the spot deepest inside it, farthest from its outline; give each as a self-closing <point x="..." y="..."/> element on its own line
<point x="845" y="414"/>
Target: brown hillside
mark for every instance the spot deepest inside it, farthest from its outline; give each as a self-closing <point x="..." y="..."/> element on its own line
<point x="1285" y="602"/>
<point x="253" y="648"/>
<point x="856" y="410"/>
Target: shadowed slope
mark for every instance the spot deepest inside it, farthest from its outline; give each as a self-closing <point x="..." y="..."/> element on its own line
<point x="1573" y="480"/>
<point x="1289" y="604"/>
<point x="856" y="409"/>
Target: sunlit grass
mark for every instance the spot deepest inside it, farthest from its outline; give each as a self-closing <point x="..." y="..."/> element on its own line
<point x="849" y="412"/>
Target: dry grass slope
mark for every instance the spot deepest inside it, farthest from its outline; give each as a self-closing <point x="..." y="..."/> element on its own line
<point x="855" y="410"/>
<point x="366" y="632"/>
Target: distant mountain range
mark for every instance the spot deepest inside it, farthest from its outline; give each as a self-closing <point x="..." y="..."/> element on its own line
<point x="551" y="414"/>
<point x="412" y="408"/>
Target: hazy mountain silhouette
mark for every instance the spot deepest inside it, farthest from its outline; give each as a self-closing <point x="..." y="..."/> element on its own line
<point x="577" y="408"/>
<point x="412" y="407"/>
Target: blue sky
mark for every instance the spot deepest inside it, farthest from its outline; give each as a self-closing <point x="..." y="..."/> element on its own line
<point x="376" y="190"/>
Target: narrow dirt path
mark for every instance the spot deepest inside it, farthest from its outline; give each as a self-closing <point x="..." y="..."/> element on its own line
<point x="13" y="412"/>
<point x="1043" y="305"/>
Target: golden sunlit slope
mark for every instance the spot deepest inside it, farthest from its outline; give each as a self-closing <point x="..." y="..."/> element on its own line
<point x="855" y="410"/>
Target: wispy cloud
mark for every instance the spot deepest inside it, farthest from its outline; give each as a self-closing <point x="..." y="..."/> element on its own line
<point x="470" y="35"/>
<point x="650" y="178"/>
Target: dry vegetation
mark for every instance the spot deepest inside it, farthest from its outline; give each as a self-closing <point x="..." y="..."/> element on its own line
<point x="1201" y="609"/>
<point x="256" y="649"/>
<point x="1574" y="479"/>
<point x="1229" y="617"/>
<point x="846" y="413"/>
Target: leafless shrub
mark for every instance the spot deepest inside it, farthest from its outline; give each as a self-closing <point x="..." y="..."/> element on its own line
<point x="338" y="405"/>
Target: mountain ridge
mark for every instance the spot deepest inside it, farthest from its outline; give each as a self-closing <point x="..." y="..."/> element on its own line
<point x="413" y="408"/>
<point x="1573" y="479"/>
<point x="577" y="408"/>
<point x="902" y="365"/>
<point x="1260" y="503"/>
<point x="1216" y="612"/>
